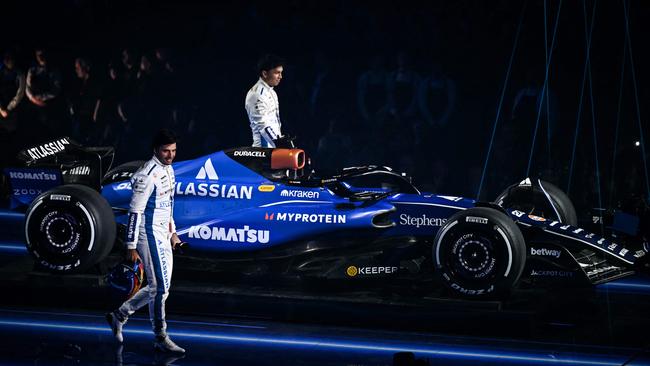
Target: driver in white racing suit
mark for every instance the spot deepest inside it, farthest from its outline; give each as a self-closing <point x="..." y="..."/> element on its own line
<point x="262" y="104"/>
<point x="151" y="235"/>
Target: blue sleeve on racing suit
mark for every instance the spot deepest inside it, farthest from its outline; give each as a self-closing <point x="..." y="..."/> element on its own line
<point x="142" y="185"/>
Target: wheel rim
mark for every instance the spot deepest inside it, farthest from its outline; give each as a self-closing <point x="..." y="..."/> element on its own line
<point x="473" y="257"/>
<point x="58" y="234"/>
<point x="60" y="231"/>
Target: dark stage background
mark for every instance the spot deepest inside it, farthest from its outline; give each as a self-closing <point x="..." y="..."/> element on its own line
<point x="413" y="85"/>
<point x="465" y="96"/>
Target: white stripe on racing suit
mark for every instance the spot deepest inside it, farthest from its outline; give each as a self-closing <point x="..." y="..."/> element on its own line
<point x="149" y="230"/>
<point x="263" y="111"/>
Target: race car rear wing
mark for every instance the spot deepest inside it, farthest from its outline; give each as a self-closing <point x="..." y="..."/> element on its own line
<point x="61" y="150"/>
<point x="57" y="162"/>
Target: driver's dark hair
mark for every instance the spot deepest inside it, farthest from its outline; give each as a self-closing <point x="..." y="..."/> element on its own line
<point x="268" y="62"/>
<point x="163" y="137"/>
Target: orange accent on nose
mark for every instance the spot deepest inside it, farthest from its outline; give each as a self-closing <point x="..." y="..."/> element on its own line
<point x="287" y="159"/>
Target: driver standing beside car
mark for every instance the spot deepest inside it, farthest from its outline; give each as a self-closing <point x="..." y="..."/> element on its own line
<point x="262" y="104"/>
<point x="151" y="236"/>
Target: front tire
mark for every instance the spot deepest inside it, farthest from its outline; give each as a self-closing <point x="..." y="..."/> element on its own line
<point x="69" y="229"/>
<point x="540" y="199"/>
<point x="479" y="252"/>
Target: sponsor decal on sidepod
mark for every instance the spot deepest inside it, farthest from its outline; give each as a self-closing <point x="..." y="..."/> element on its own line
<point x="236" y="235"/>
<point x="266" y="188"/>
<point x="417" y="221"/>
<point x="206" y="190"/>
<point x="353" y="271"/>
<point x="299" y="194"/>
<point x="305" y="217"/>
<point x="207" y="171"/>
<point x="214" y="190"/>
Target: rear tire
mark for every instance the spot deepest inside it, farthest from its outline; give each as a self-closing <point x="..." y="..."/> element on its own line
<point x="122" y="172"/>
<point x="69" y="229"/>
<point x="479" y="252"/>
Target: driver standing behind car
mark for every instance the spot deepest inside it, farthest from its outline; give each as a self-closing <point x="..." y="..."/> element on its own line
<point x="151" y="236"/>
<point x="262" y="104"/>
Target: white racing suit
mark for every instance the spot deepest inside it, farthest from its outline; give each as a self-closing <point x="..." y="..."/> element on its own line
<point x="263" y="111"/>
<point x="149" y="231"/>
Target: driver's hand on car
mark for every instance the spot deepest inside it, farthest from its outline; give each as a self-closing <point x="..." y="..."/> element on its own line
<point x="132" y="255"/>
<point x="175" y="240"/>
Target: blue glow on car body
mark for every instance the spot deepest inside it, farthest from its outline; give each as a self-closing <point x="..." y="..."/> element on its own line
<point x="223" y="206"/>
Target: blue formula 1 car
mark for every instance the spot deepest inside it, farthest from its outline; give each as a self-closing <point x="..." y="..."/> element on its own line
<point x="266" y="208"/>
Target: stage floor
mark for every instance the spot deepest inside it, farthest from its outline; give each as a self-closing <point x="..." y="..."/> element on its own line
<point x="50" y="320"/>
<point x="71" y="336"/>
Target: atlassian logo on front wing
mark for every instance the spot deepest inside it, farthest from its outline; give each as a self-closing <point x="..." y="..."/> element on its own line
<point x="245" y="235"/>
<point x="207" y="171"/>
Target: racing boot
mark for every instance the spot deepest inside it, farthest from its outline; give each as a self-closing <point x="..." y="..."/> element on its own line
<point x="116" y="326"/>
<point x="165" y="344"/>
